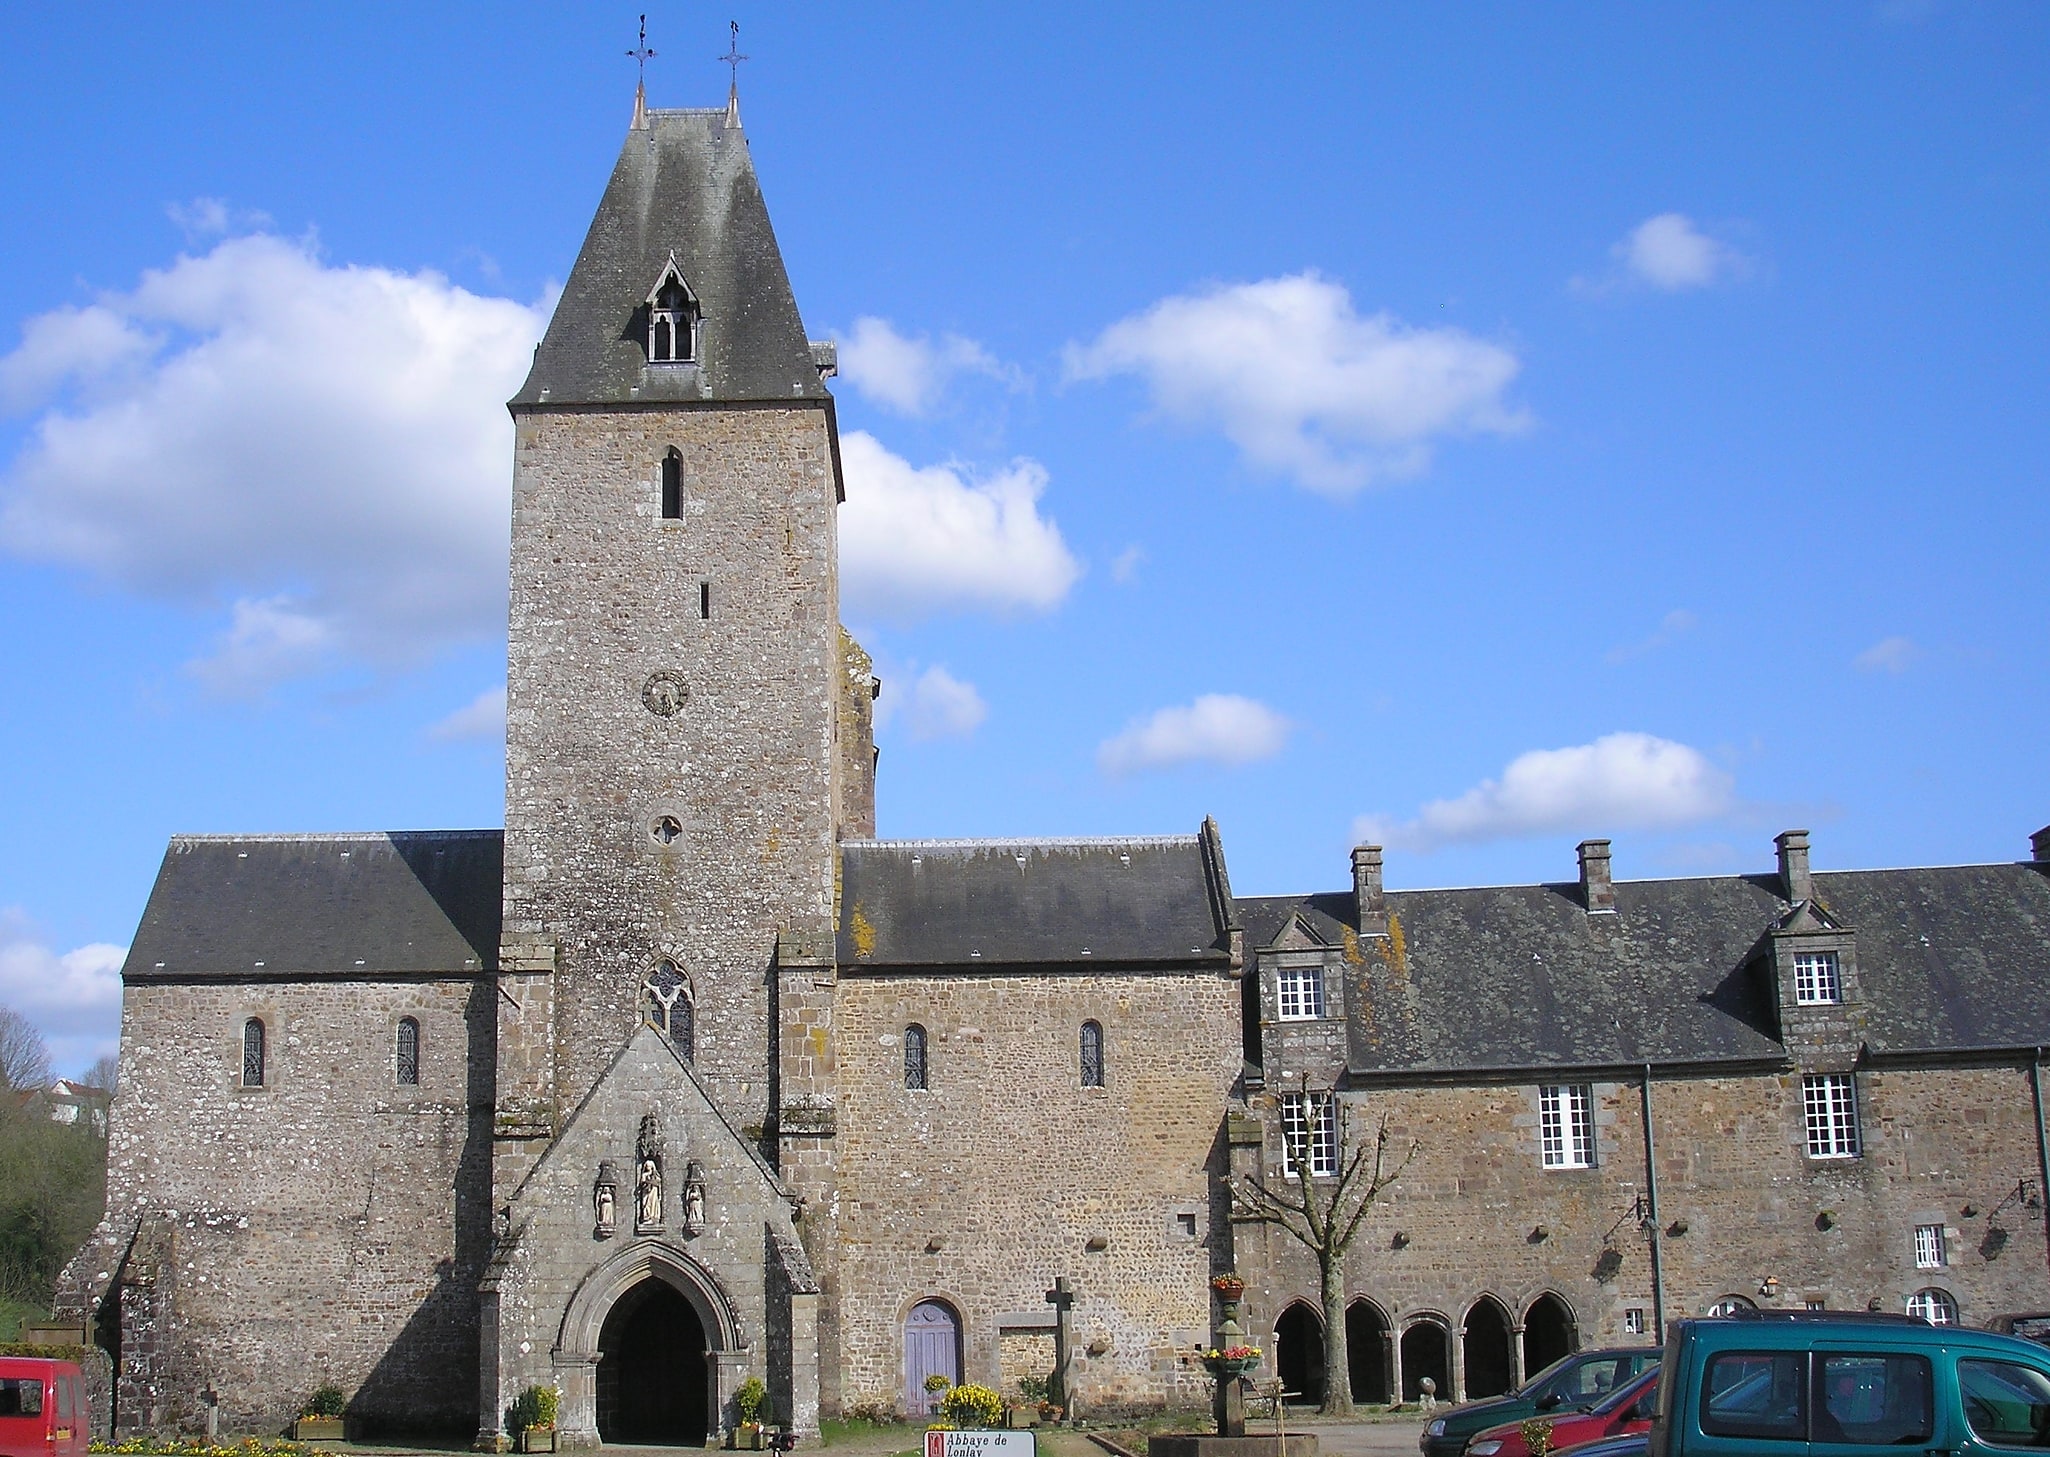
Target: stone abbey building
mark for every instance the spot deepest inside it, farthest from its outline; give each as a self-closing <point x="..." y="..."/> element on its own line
<point x="685" y="1077"/>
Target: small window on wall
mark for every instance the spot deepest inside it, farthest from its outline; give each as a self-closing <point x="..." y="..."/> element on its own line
<point x="1092" y="1054"/>
<point x="1309" y="1129"/>
<point x="914" y="1057"/>
<point x="1934" y="1306"/>
<point x="408" y="1056"/>
<point x="1816" y="980"/>
<point x="1829" y="1103"/>
<point x="1566" y="1126"/>
<point x="1300" y="991"/>
<point x="1929" y="1251"/>
<point x="252" y="1053"/>
<point x="672" y="486"/>
<point x="1633" y="1320"/>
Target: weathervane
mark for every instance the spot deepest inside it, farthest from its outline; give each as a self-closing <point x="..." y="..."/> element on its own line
<point x="733" y="57"/>
<point x="641" y="52"/>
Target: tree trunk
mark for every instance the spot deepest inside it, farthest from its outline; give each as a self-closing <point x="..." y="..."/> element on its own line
<point x="1337" y="1368"/>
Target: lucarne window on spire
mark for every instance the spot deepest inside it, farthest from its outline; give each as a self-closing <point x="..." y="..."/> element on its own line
<point x="672" y="319"/>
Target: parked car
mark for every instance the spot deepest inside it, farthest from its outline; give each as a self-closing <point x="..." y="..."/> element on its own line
<point x="1625" y="1411"/>
<point x="1580" y="1379"/>
<point x="1632" y="1445"/>
<point x="42" y="1408"/>
<point x="1831" y="1384"/>
<point x="2034" y="1327"/>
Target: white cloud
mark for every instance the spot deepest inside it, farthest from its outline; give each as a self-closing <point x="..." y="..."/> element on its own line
<point x="917" y="540"/>
<point x="1218" y="728"/>
<point x="1669" y="252"/>
<point x="1302" y="384"/>
<point x="1674" y="624"/>
<point x="937" y="705"/>
<point x="211" y="217"/>
<point x="324" y="448"/>
<point x="73" y="998"/>
<point x="1888" y="655"/>
<point x="1620" y="781"/>
<point x="483" y="717"/>
<point x="909" y="374"/>
<point x="1124" y="567"/>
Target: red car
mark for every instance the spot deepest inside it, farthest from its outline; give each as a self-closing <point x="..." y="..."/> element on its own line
<point x="1625" y="1410"/>
<point x="42" y="1408"/>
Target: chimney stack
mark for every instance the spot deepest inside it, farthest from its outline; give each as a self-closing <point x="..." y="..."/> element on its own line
<point x="1793" y="848"/>
<point x="1366" y="890"/>
<point x="2039" y="845"/>
<point x="1597" y="890"/>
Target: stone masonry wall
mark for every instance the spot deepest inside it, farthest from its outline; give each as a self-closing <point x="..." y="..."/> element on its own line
<point x="1739" y="1198"/>
<point x="329" y="1225"/>
<point x="1003" y="1174"/>
<point x="681" y="670"/>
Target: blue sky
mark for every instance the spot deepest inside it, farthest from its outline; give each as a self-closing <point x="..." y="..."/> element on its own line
<point x="1476" y="427"/>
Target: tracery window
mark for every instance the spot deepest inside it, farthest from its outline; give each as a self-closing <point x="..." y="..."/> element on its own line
<point x="1092" y="1054"/>
<point x="672" y="324"/>
<point x="252" y="1053"/>
<point x="408" y="1053"/>
<point x="669" y="1008"/>
<point x="914" y="1056"/>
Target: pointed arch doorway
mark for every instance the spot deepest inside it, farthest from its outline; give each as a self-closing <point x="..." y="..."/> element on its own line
<point x="654" y="1381"/>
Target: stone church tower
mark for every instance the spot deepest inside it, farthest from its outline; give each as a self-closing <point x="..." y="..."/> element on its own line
<point x="673" y="793"/>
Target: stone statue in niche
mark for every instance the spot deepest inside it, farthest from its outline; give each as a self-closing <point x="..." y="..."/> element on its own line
<point x="605" y="1201"/>
<point x="648" y="1176"/>
<point x="694" y="1198"/>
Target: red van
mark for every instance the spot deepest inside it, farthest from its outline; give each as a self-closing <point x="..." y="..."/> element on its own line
<point x="42" y="1408"/>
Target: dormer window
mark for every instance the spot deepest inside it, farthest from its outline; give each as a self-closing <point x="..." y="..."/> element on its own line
<point x="1817" y="982"/>
<point x="672" y="319"/>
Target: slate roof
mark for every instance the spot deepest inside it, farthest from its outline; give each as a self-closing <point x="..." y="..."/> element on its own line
<point x="684" y="184"/>
<point x="273" y="906"/>
<point x="965" y="905"/>
<point x="1515" y="977"/>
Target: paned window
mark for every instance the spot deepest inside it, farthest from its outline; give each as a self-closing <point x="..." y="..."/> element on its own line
<point x="1816" y="982"/>
<point x="1633" y="1320"/>
<point x="1934" y="1306"/>
<point x="252" y="1053"/>
<point x="1830" y="1103"/>
<point x="1309" y="1124"/>
<point x="1730" y="1305"/>
<point x="1566" y="1126"/>
<point x="408" y="1053"/>
<point x="1092" y="1055"/>
<point x="914" y="1056"/>
<point x="1301" y="990"/>
<point x="669" y="1008"/>
<point x="1929" y="1251"/>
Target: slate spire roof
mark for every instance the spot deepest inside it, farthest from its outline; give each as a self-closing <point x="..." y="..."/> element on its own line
<point x="684" y="185"/>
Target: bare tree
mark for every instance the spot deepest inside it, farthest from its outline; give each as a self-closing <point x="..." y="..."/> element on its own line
<point x="103" y="1074"/>
<point x="24" y="1060"/>
<point x="1323" y="1212"/>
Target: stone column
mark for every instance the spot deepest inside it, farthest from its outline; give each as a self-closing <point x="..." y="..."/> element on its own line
<point x="1395" y="1366"/>
<point x="576" y="1424"/>
<point x="1457" y="1341"/>
<point x="727" y="1370"/>
<point x="491" y="1399"/>
<point x="1516" y="1357"/>
<point x="804" y="1365"/>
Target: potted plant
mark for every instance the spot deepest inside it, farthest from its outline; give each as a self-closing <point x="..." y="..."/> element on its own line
<point x="747" y="1403"/>
<point x="532" y="1418"/>
<point x="1232" y="1361"/>
<point x="320" y="1419"/>
<point x="1230" y="1286"/>
<point x="935" y="1388"/>
<point x="1031" y="1401"/>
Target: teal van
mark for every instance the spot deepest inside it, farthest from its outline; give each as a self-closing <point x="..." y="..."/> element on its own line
<point x="1839" y="1384"/>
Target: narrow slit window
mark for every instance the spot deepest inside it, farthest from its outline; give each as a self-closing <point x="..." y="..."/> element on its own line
<point x="409" y="1053"/>
<point x="914" y="1057"/>
<point x="672" y="487"/>
<point x="1092" y="1054"/>
<point x="252" y="1053"/>
<point x="705" y="601"/>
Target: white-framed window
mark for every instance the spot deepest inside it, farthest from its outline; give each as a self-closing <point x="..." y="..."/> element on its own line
<point x="1633" y="1320"/>
<point x="1930" y="1253"/>
<point x="1814" y="1303"/>
<point x="1309" y="1121"/>
<point x="1566" y="1126"/>
<point x="1933" y="1305"/>
<point x="1730" y="1305"/>
<point x="1829" y="1102"/>
<point x="1816" y="980"/>
<point x="1300" y="990"/>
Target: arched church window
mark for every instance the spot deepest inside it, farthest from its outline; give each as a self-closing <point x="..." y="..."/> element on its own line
<point x="672" y="324"/>
<point x="672" y="486"/>
<point x="1092" y="1054"/>
<point x="669" y="1008"/>
<point x="914" y="1056"/>
<point x="252" y="1053"/>
<point x="407" y="1056"/>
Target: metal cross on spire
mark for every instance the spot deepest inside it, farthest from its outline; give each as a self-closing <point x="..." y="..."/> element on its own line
<point x="641" y="52"/>
<point x="733" y="57"/>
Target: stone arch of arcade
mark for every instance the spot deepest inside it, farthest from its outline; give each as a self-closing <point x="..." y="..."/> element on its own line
<point x="638" y="1330"/>
<point x="1299" y="1351"/>
<point x="1487" y="1351"/>
<point x="1424" y="1352"/>
<point x="1369" y="1350"/>
<point x="1549" y="1332"/>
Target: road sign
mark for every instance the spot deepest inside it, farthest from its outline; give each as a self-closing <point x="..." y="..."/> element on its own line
<point x="982" y="1444"/>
